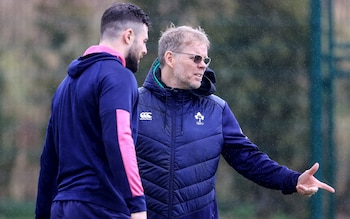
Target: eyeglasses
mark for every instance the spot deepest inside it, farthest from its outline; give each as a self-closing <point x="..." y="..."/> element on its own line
<point x="197" y="58"/>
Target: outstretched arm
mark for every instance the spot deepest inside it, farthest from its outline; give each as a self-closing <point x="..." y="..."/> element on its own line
<point x="308" y="184"/>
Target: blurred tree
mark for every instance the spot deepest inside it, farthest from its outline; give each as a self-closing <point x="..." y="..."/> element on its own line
<point x="6" y="152"/>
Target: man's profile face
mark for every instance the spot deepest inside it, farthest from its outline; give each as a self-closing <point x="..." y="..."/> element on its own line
<point x="137" y="50"/>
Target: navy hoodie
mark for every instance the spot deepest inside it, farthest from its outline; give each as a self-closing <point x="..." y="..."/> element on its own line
<point x="89" y="152"/>
<point x="182" y="134"/>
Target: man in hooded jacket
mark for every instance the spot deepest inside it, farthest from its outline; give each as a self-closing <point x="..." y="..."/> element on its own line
<point x="88" y="165"/>
<point x="184" y="128"/>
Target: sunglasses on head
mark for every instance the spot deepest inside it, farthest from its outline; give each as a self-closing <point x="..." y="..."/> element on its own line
<point x="197" y="58"/>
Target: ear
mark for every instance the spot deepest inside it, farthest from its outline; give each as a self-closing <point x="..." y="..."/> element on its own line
<point x="129" y="36"/>
<point x="169" y="58"/>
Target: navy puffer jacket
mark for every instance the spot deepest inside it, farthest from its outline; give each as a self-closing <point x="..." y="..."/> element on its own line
<point x="181" y="136"/>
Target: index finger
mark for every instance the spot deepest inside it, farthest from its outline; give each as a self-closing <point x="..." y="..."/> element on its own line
<point x="326" y="187"/>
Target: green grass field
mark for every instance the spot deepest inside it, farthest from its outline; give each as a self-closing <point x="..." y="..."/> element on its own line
<point x="16" y="210"/>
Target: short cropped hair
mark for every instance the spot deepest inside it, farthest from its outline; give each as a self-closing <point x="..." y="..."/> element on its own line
<point x="120" y="16"/>
<point x="177" y="38"/>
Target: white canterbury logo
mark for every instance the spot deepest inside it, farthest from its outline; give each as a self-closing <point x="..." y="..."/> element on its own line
<point x="146" y="116"/>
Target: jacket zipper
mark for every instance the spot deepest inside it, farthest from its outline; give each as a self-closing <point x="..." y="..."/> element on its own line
<point x="172" y="160"/>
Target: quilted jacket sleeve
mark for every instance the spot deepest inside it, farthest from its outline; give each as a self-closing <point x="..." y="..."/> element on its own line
<point x="246" y="158"/>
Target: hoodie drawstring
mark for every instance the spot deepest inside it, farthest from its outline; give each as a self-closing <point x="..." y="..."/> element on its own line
<point x="182" y="115"/>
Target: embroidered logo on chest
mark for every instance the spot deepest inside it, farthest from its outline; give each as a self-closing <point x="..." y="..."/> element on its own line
<point x="199" y="118"/>
<point x="146" y="116"/>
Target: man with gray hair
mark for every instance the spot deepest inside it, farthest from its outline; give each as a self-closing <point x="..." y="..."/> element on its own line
<point x="184" y="128"/>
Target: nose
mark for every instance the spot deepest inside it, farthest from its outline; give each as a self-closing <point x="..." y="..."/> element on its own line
<point x="202" y="64"/>
<point x="144" y="52"/>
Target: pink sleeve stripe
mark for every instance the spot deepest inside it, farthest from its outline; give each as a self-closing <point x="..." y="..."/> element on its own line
<point x="127" y="149"/>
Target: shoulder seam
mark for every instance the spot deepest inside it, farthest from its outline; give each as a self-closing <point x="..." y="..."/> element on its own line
<point x="218" y="100"/>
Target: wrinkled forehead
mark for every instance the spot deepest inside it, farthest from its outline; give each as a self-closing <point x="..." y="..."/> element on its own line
<point x="193" y="43"/>
<point x="195" y="39"/>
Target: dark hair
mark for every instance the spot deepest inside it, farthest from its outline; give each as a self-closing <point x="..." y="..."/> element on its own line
<point x="121" y="14"/>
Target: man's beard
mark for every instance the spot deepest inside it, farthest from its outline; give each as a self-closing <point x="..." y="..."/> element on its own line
<point x="132" y="62"/>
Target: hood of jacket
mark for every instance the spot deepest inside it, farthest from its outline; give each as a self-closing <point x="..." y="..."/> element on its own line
<point x="78" y="66"/>
<point x="154" y="83"/>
